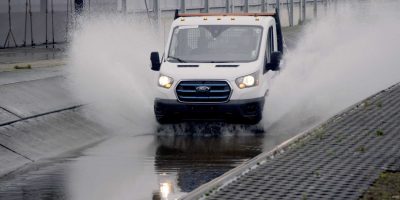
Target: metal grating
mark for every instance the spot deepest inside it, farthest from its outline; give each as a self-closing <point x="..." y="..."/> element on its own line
<point x="203" y="91"/>
<point x="339" y="162"/>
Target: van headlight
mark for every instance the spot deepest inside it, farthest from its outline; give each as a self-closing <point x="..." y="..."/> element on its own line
<point x="250" y="80"/>
<point x="165" y="81"/>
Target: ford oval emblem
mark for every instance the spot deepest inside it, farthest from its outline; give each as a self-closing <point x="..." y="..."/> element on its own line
<point x="202" y="89"/>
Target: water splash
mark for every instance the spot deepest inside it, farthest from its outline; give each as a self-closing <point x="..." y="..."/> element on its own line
<point x="109" y="71"/>
<point x="341" y="58"/>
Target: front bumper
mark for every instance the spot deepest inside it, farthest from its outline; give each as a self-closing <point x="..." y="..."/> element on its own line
<point x="248" y="110"/>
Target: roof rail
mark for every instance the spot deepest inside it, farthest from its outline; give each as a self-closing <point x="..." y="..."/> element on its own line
<point x="177" y="14"/>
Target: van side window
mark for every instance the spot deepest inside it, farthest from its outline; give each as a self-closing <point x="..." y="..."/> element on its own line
<point x="270" y="47"/>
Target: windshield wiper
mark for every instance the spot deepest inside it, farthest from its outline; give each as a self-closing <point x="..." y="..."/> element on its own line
<point x="177" y="59"/>
<point x="221" y="61"/>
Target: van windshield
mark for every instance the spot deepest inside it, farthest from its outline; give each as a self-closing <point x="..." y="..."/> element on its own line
<point x="215" y="43"/>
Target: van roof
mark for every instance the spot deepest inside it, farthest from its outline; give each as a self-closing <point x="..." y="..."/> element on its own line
<point x="224" y="14"/>
<point x="223" y="18"/>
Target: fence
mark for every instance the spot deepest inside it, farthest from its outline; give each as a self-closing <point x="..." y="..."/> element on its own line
<point x="47" y="22"/>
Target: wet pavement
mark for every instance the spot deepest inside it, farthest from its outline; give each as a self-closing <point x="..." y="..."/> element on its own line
<point x="144" y="166"/>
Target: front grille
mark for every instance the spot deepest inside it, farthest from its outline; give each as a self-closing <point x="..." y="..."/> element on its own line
<point x="203" y="91"/>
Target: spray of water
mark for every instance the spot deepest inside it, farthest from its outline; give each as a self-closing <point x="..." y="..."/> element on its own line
<point x="341" y="58"/>
<point x="109" y="71"/>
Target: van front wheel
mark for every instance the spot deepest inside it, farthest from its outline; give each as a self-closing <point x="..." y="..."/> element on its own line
<point x="253" y="119"/>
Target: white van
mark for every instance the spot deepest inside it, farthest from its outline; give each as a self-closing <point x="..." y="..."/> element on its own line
<point x="217" y="67"/>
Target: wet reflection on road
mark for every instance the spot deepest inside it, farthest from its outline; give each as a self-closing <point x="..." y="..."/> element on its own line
<point x="185" y="162"/>
<point x="165" y="165"/>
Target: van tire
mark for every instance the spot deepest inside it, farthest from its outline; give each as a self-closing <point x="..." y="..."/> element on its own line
<point x="166" y="120"/>
<point x="254" y="119"/>
<point x="161" y="120"/>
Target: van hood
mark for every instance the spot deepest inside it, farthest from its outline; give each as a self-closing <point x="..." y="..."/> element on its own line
<point x="208" y="71"/>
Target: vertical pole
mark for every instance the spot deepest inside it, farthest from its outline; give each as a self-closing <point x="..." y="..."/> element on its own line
<point x="206" y="6"/>
<point x="79" y="7"/>
<point x="52" y="21"/>
<point x="147" y="11"/>
<point x="183" y="6"/>
<point x="228" y="6"/>
<point x="155" y="9"/>
<point x="71" y="11"/>
<point x="277" y="5"/>
<point x="315" y="8"/>
<point x="299" y="11"/>
<point x="303" y="14"/>
<point x="291" y="13"/>
<point x="246" y="6"/>
<point x="157" y="12"/>
<point x="26" y="21"/>
<point x="262" y="5"/>
<point x="10" y="35"/>
<point x="30" y="19"/>
<point x="67" y="23"/>
<point x="123" y="6"/>
<point x="9" y="24"/>
<point x="47" y="12"/>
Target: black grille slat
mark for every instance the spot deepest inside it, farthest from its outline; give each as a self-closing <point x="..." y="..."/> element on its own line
<point x="219" y="91"/>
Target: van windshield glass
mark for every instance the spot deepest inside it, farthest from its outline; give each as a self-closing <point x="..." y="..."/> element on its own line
<point x="215" y="43"/>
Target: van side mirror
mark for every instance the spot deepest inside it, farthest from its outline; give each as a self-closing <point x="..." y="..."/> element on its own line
<point x="155" y="61"/>
<point x="276" y="57"/>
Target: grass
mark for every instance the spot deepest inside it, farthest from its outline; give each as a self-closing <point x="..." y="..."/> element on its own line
<point x="317" y="173"/>
<point x="386" y="187"/>
<point x="366" y="104"/>
<point x="379" y="133"/>
<point x="361" y="149"/>
<point x="304" y="196"/>
<point x="320" y="133"/>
